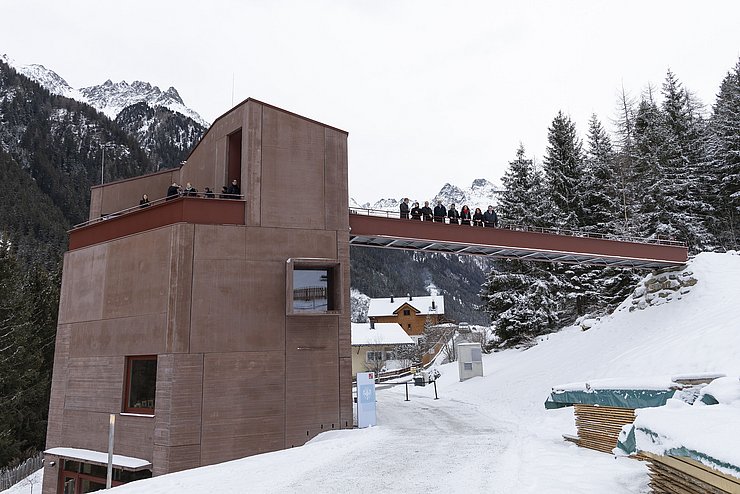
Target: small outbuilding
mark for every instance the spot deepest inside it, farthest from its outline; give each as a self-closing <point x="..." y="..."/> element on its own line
<point x="374" y="346"/>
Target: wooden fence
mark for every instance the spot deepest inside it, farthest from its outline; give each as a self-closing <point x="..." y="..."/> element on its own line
<point x="11" y="476"/>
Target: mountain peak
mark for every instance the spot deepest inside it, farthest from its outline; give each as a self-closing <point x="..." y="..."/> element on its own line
<point x="172" y="93"/>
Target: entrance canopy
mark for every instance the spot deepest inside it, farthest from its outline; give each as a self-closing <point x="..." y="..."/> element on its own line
<point x="100" y="458"/>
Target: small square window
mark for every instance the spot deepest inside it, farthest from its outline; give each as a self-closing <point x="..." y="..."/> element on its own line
<point x="468" y="366"/>
<point x="406" y="312"/>
<point x="141" y="384"/>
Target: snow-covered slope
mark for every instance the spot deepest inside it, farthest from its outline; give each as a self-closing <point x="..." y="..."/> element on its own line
<point x="480" y="194"/>
<point x="492" y="434"/>
<point x="109" y="98"/>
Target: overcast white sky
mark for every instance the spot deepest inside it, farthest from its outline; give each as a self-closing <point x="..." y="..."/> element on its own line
<point x="430" y="92"/>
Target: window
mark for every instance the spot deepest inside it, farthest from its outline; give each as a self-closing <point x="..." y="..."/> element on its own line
<point x="406" y="312"/>
<point x="313" y="286"/>
<point x="374" y="357"/>
<point x="141" y="384"/>
<point x="468" y="366"/>
<point x="311" y="291"/>
<point x="390" y="355"/>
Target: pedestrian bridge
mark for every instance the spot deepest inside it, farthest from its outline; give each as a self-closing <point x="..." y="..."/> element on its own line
<point x="382" y="229"/>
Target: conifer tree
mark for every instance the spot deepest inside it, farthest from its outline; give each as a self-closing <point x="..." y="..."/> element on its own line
<point x="521" y="298"/>
<point x="522" y="200"/>
<point x="724" y="156"/>
<point x="563" y="169"/>
<point x="602" y="208"/>
<point x="685" y="194"/>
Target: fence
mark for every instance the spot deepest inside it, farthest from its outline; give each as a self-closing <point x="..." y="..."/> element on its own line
<point x="11" y="476"/>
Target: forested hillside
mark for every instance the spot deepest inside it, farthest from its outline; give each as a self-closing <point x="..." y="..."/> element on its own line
<point x="50" y="154"/>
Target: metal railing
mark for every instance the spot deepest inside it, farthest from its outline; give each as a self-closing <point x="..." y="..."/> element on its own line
<point x="139" y="207"/>
<point x="507" y="225"/>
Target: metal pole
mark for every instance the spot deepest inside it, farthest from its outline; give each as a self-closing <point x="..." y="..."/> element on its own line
<point x="407" y="390"/>
<point x="435" y="390"/>
<point x="109" y="478"/>
<point x="102" y="167"/>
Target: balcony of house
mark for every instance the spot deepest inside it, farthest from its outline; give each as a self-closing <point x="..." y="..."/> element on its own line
<point x="197" y="208"/>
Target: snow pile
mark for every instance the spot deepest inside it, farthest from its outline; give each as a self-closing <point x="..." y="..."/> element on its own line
<point x="707" y="433"/>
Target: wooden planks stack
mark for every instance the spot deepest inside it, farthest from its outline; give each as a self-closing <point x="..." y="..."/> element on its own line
<point x="676" y="475"/>
<point x="598" y="426"/>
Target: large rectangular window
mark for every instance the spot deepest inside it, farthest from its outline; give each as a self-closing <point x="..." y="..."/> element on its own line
<point x="141" y="384"/>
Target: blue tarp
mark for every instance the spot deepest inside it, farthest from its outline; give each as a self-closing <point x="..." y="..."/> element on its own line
<point x="622" y="398"/>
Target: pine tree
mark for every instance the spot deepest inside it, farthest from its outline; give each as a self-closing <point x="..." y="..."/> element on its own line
<point x="648" y="170"/>
<point x="563" y="168"/>
<point x="724" y="156"/>
<point x="602" y="194"/>
<point x="521" y="299"/>
<point x="685" y="193"/>
<point x="522" y="200"/>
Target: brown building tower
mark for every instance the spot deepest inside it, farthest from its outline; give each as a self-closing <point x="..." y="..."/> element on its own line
<point x="212" y="328"/>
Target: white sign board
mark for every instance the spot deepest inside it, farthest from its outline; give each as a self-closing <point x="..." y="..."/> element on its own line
<point x="365" y="399"/>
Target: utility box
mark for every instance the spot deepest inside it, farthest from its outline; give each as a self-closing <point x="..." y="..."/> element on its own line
<point x="469" y="360"/>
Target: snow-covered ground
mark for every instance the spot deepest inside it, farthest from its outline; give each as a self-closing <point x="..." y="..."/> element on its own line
<point x="492" y="434"/>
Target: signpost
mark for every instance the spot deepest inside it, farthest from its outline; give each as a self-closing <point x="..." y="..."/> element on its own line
<point x="365" y="399"/>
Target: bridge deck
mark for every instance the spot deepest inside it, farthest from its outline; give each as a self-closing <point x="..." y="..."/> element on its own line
<point x="387" y="232"/>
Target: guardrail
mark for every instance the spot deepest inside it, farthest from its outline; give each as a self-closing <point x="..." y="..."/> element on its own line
<point x="132" y="209"/>
<point x="506" y="225"/>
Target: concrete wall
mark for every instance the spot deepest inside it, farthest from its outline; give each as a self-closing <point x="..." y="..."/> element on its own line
<point x="237" y="373"/>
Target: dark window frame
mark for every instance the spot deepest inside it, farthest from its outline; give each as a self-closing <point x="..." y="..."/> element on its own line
<point x="127" y="385"/>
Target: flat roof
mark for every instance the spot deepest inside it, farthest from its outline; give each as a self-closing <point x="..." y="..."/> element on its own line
<point x="100" y="458"/>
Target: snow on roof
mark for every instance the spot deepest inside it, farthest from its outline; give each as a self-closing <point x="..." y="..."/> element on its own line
<point x="641" y="382"/>
<point x="100" y="458"/>
<point x="388" y="306"/>
<point x="384" y="333"/>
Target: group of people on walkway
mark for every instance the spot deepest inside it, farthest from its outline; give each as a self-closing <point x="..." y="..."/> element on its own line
<point x="232" y="191"/>
<point x="451" y="215"/>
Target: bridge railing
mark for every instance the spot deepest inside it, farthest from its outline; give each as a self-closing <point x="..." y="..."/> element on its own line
<point x="139" y="207"/>
<point x="507" y="225"/>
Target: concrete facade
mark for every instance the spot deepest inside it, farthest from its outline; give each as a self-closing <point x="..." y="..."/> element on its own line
<point x="239" y="372"/>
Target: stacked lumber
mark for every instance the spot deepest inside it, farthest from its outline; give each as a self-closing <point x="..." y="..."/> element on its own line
<point x="599" y="427"/>
<point x="678" y="475"/>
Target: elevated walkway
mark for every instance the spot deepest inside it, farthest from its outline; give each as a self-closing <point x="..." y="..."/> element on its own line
<point x="382" y="229"/>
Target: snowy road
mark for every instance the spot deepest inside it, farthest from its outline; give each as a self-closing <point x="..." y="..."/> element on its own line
<point x="424" y="443"/>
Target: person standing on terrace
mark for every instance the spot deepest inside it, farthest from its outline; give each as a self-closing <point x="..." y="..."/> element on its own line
<point x="234" y="190"/>
<point x="404" y="208"/>
<point x="173" y="191"/>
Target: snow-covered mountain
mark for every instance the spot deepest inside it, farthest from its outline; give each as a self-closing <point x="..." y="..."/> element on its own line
<point x="108" y="98"/>
<point x="480" y="194"/>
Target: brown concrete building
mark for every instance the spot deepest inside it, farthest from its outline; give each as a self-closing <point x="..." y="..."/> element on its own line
<point x="211" y="328"/>
<point x="412" y="313"/>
